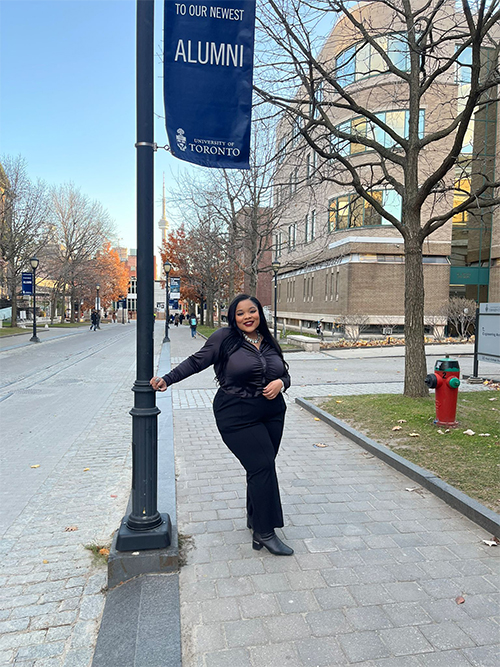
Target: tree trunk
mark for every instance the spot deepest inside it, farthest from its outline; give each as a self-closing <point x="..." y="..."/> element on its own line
<point x="210" y="309"/>
<point x="13" y="298"/>
<point x="415" y="362"/>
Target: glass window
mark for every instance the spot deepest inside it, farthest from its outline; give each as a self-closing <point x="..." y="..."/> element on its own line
<point x="377" y="64"/>
<point x="342" y="212"/>
<point x="356" y="210"/>
<point x="313" y="224"/>
<point x="371" y="217"/>
<point x="358" y="128"/>
<point x="392" y="204"/>
<point x="346" y="65"/>
<point x="363" y="61"/>
<point x="398" y="52"/>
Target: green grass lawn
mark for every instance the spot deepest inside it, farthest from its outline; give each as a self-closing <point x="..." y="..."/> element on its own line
<point x="469" y="463"/>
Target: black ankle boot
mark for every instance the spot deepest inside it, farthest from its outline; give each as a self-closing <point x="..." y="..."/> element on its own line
<point x="272" y="543"/>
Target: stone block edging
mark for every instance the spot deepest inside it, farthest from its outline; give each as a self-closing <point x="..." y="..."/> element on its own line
<point x="467" y="506"/>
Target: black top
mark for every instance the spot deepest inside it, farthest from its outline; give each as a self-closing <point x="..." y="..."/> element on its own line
<point x="248" y="369"/>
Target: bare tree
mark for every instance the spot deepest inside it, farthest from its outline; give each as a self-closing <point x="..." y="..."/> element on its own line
<point x="23" y="231"/>
<point x="461" y="314"/>
<point x="241" y="201"/>
<point x="424" y="50"/>
<point x="79" y="229"/>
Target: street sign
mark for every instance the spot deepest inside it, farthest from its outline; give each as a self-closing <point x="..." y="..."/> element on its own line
<point x="27" y="283"/>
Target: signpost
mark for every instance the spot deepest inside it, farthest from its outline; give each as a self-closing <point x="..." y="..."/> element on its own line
<point x="487" y="339"/>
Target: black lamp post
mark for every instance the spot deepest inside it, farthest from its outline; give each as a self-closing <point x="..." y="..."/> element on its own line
<point x="276" y="267"/>
<point x="144" y="527"/>
<point x="98" y="305"/>
<point x="166" y="267"/>
<point x="34" y="265"/>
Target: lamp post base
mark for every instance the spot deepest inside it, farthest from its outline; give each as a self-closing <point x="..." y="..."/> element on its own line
<point x="141" y="540"/>
<point x="166" y="339"/>
<point x="34" y="339"/>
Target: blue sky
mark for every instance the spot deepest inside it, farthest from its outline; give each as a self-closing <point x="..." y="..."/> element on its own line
<point x="67" y="99"/>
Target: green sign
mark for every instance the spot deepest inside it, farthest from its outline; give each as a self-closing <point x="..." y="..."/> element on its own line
<point x="469" y="275"/>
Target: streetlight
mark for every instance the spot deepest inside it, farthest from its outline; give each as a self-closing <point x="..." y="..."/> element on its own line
<point x="98" y="305"/>
<point x="34" y="265"/>
<point x="276" y="267"/>
<point x="166" y="267"/>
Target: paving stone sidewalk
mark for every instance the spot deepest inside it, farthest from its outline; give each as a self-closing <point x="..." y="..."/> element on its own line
<point x="376" y="569"/>
<point x="52" y="593"/>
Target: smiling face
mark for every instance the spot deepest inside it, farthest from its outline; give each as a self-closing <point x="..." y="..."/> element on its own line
<point x="247" y="316"/>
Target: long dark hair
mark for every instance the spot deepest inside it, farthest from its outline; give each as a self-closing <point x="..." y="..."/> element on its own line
<point x="235" y="339"/>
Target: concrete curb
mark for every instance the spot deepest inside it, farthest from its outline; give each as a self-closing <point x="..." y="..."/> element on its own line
<point x="467" y="506"/>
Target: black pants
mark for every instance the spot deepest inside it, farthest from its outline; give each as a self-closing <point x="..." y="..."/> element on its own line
<point x="252" y="429"/>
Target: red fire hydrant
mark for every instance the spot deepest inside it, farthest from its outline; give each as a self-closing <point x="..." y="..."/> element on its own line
<point x="446" y="381"/>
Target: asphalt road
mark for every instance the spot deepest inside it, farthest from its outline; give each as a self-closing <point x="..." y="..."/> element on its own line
<point x="49" y="394"/>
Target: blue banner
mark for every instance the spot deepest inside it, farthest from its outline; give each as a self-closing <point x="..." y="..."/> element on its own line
<point x="27" y="283"/>
<point x="208" y="68"/>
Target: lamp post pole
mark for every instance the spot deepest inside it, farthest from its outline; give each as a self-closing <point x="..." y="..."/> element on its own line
<point x="34" y="265"/>
<point x="98" y="305"/>
<point x="276" y="267"/>
<point x="144" y="528"/>
<point x="166" y="267"/>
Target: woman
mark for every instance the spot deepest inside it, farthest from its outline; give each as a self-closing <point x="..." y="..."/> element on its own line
<point x="249" y="408"/>
<point x="193" y="323"/>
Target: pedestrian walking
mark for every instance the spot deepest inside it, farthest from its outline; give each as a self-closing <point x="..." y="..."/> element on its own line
<point x="176" y="320"/>
<point x="193" y="323"/>
<point x="93" y="320"/>
<point x="249" y="408"/>
<point x="181" y="318"/>
<point x="319" y="329"/>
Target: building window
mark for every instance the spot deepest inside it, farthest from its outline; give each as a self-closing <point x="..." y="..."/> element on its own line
<point x="306" y="229"/>
<point x="278" y="244"/>
<point x="398" y="121"/>
<point x="292" y="235"/>
<point x="313" y="225"/>
<point x="354" y="211"/>
<point x="363" y="60"/>
<point x="132" y="288"/>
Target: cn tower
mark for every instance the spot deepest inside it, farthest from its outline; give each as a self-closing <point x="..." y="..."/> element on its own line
<point x="163" y="223"/>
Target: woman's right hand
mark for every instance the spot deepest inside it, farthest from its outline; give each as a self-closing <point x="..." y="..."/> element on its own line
<point x="158" y="384"/>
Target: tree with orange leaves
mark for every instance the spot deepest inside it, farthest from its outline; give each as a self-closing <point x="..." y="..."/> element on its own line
<point x="112" y="275"/>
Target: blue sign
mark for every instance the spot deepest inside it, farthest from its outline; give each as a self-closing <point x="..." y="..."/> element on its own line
<point x="27" y="283"/>
<point x="208" y="68"/>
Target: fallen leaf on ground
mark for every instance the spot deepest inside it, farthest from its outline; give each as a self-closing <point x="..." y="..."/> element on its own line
<point x="401" y="421"/>
<point x="414" y="435"/>
<point x="440" y="431"/>
<point x="104" y="551"/>
<point x="70" y="529"/>
<point x="45" y="562"/>
<point x="397" y="428"/>
<point x="316" y="419"/>
<point x="113" y="495"/>
<point x="459" y="600"/>
<point x="319" y="444"/>
<point x="338" y="401"/>
<point x="484" y="435"/>
<point x="469" y="432"/>
<point x="85" y="469"/>
<point x="416" y="489"/>
<point x="491" y="543"/>
<point x="35" y="466"/>
<point x="492" y="399"/>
